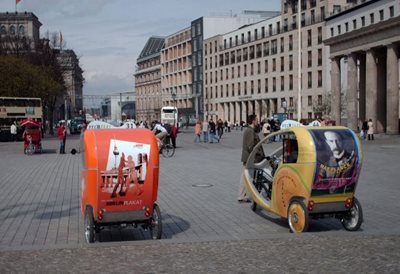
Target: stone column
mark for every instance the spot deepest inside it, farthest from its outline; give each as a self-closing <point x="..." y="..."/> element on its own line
<point x="335" y="99"/>
<point x="243" y="116"/>
<point x="237" y="112"/>
<point x="371" y="84"/>
<point x="352" y="120"/>
<point x="257" y="110"/>
<point x="264" y="110"/>
<point x="392" y="77"/>
<point x="250" y="109"/>
<point x="362" y="96"/>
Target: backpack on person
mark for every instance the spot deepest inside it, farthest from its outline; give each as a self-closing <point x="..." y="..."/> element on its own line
<point x="167" y="126"/>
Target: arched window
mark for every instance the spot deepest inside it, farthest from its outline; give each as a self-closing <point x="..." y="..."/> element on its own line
<point x="12" y="30"/>
<point x="3" y="30"/>
<point x="21" y="30"/>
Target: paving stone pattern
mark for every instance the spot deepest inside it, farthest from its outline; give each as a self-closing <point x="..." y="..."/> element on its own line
<point x="39" y="208"/>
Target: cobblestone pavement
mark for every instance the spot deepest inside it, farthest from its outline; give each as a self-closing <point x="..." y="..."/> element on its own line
<point x="40" y="217"/>
<point x="284" y="254"/>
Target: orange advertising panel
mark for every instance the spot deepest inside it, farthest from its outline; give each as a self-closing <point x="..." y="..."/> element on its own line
<point x="125" y="163"/>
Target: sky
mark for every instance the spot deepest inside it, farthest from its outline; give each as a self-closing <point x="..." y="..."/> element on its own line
<point x="108" y="35"/>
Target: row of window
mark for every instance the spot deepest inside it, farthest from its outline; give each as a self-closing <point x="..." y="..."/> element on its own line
<point x="361" y="22"/>
<point x="252" y="87"/>
<point x="259" y="50"/>
<point x="12" y="30"/>
<point x="211" y="106"/>
<point x="235" y="73"/>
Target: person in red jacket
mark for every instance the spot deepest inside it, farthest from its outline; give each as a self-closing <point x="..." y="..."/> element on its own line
<point x="62" y="136"/>
<point x="174" y="134"/>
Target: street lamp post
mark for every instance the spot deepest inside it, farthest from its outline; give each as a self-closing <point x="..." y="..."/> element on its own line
<point x="174" y="100"/>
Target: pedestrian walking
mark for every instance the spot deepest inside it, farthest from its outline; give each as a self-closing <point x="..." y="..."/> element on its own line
<point x="220" y="128"/>
<point x="364" y="130"/>
<point x="174" y="135"/>
<point x="370" y="130"/>
<point x="13" y="131"/>
<point x="250" y="140"/>
<point x="62" y="136"/>
<point x="266" y="129"/>
<point x="205" y="131"/>
<point x="197" y="131"/>
<point x="212" y="128"/>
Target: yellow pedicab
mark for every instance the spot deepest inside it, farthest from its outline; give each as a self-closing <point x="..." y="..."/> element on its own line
<point x="311" y="172"/>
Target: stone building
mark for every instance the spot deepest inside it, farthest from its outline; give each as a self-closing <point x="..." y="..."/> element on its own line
<point x="367" y="37"/>
<point x="73" y="80"/>
<point x="254" y="69"/>
<point x="19" y="30"/>
<point x="148" y="81"/>
<point x="176" y="71"/>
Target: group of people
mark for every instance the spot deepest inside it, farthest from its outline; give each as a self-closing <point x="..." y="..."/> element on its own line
<point x="367" y="130"/>
<point x="208" y="132"/>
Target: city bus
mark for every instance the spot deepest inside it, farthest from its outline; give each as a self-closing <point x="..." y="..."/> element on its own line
<point x="16" y="109"/>
<point x="169" y="115"/>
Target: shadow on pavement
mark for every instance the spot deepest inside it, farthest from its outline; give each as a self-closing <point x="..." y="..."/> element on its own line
<point x="171" y="226"/>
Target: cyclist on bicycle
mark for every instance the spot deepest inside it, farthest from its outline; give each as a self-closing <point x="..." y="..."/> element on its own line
<point x="160" y="133"/>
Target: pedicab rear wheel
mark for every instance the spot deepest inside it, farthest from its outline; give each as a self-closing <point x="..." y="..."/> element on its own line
<point x="30" y="149"/>
<point x="89" y="225"/>
<point x="168" y="150"/>
<point x="353" y="219"/>
<point x="297" y="216"/>
<point x="155" y="224"/>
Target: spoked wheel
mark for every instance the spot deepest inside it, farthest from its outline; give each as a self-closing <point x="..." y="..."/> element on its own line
<point x="155" y="224"/>
<point x="297" y="216"/>
<point x="353" y="219"/>
<point x="89" y="225"/>
<point x="168" y="151"/>
<point x="30" y="149"/>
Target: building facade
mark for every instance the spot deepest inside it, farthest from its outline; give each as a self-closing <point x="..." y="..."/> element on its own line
<point x="19" y="30"/>
<point x="148" y="81"/>
<point x="255" y="69"/>
<point x="73" y="80"/>
<point x="202" y="29"/>
<point x="176" y="71"/>
<point x="367" y="37"/>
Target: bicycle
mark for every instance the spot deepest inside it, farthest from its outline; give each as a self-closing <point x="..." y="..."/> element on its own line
<point x="167" y="150"/>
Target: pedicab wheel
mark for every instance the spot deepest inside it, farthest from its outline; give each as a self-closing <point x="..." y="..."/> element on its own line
<point x="155" y="224"/>
<point x="254" y="206"/>
<point x="354" y="218"/>
<point x="297" y="216"/>
<point x="89" y="225"/>
<point x="168" y="151"/>
<point x="30" y="150"/>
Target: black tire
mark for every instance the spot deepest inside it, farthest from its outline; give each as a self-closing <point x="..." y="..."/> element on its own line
<point x="168" y="151"/>
<point x="254" y="206"/>
<point x="89" y="225"/>
<point x="354" y="218"/>
<point x="30" y="149"/>
<point x="297" y="216"/>
<point x="156" y="224"/>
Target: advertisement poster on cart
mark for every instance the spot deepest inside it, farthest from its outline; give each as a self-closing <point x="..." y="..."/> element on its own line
<point x="125" y="174"/>
<point x="338" y="161"/>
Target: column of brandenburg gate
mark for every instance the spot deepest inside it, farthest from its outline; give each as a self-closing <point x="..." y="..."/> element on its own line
<point x="372" y="55"/>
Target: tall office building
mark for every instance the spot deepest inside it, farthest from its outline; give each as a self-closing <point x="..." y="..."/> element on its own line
<point x="148" y="81"/>
<point x="176" y="72"/>
<point x="206" y="27"/>
<point x="254" y="69"/>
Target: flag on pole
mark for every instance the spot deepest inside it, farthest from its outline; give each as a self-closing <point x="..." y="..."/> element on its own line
<point x="16" y="3"/>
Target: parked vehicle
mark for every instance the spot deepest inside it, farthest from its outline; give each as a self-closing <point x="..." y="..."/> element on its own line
<point x="76" y="125"/>
<point x="120" y="180"/>
<point x="311" y="173"/>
